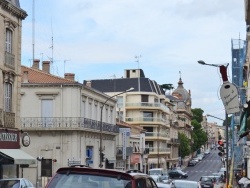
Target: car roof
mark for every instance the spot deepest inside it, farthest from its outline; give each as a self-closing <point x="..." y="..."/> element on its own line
<point x="185" y="181"/>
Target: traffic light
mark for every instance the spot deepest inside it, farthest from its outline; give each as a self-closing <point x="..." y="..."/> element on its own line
<point x="221" y="148"/>
<point x="102" y="157"/>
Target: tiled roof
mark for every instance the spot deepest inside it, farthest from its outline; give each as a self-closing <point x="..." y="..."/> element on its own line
<point x="36" y="76"/>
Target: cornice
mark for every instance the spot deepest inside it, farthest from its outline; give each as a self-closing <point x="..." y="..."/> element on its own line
<point x="13" y="9"/>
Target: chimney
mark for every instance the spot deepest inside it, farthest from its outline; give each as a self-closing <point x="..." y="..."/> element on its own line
<point x="25" y="77"/>
<point x="69" y="76"/>
<point x="36" y="64"/>
<point x="46" y="66"/>
<point x="88" y="83"/>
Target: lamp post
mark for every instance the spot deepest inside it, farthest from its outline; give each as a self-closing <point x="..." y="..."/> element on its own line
<point x="224" y="78"/>
<point x="101" y="126"/>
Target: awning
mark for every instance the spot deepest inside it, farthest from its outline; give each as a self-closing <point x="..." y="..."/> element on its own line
<point x="16" y="156"/>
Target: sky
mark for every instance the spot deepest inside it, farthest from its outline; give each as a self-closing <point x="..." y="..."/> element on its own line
<point x="99" y="39"/>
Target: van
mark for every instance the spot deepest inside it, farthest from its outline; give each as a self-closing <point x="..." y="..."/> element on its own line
<point x="157" y="171"/>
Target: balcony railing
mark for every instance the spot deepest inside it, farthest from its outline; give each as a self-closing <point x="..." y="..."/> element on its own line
<point x="119" y="151"/>
<point x="161" y="149"/>
<point x="149" y="105"/>
<point x="9" y="60"/>
<point x="66" y="123"/>
<point x="147" y="119"/>
<point x="9" y="119"/>
<point x="156" y="134"/>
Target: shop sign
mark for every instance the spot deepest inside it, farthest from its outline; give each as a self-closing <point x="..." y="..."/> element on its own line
<point x="9" y="139"/>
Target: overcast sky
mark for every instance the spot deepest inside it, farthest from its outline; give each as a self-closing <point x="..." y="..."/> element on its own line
<point x="99" y="39"/>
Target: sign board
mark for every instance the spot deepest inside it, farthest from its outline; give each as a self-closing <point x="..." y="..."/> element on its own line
<point x="229" y="93"/>
<point x="125" y="133"/>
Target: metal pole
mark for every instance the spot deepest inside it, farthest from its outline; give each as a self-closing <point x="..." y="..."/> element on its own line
<point x="101" y="125"/>
<point x="227" y="143"/>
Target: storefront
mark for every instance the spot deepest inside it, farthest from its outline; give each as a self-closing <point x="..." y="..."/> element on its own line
<point x="12" y="158"/>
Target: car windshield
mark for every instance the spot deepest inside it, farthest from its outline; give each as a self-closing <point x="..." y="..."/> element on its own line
<point x="9" y="183"/>
<point x="89" y="181"/>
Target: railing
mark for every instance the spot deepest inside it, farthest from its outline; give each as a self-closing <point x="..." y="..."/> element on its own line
<point x="155" y="149"/>
<point x="155" y="134"/>
<point x="119" y="151"/>
<point x="9" y="60"/>
<point x="9" y="119"/>
<point x="149" y="105"/>
<point x="147" y="119"/>
<point x="66" y="123"/>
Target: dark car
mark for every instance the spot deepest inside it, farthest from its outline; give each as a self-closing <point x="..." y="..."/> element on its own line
<point x="192" y="163"/>
<point x="207" y="181"/>
<point x="81" y="176"/>
<point x="177" y="174"/>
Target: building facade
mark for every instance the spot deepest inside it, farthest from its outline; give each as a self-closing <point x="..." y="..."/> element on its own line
<point x="13" y="159"/>
<point x="64" y="120"/>
<point x="147" y="107"/>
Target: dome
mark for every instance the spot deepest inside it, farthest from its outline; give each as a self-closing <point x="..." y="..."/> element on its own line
<point x="180" y="92"/>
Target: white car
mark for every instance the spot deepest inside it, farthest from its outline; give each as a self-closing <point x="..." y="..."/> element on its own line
<point x="16" y="183"/>
<point x="163" y="185"/>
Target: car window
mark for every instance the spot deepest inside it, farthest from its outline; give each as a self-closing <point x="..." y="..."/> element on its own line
<point x="150" y="183"/>
<point x="140" y="183"/>
<point x="90" y="181"/>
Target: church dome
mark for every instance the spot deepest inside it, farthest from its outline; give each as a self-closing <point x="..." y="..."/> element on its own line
<point x="180" y="92"/>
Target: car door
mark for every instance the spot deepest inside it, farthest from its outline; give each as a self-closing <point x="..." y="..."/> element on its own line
<point x="150" y="183"/>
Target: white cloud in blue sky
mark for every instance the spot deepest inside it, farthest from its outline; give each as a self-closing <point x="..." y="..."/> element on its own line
<point x="100" y="38"/>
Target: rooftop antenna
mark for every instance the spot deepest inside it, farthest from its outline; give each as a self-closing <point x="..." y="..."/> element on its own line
<point x="139" y="72"/>
<point x="33" y="31"/>
<point x="65" y="63"/>
<point x="52" y="44"/>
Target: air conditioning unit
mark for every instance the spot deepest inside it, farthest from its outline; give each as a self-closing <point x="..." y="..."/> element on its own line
<point x="130" y="119"/>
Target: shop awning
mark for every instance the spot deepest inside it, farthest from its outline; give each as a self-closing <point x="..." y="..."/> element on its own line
<point x="16" y="156"/>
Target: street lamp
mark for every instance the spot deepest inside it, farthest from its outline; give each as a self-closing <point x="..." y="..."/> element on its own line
<point x="224" y="78"/>
<point x="101" y="155"/>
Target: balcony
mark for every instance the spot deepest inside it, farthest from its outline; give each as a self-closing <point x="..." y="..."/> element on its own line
<point x="7" y="119"/>
<point x="175" y="141"/>
<point x="119" y="151"/>
<point x="9" y="60"/>
<point x="156" y="135"/>
<point x="148" y="106"/>
<point x="66" y="123"/>
<point x="162" y="150"/>
<point x="147" y="120"/>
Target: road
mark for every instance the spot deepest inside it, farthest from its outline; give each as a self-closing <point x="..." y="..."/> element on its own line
<point x="211" y="163"/>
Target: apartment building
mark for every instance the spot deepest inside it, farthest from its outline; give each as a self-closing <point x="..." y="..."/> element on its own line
<point x="147" y="107"/>
<point x="64" y="118"/>
<point x="13" y="159"/>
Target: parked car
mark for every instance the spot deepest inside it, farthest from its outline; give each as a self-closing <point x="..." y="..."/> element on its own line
<point x="164" y="185"/>
<point x="196" y="159"/>
<point x="185" y="184"/>
<point x="16" y="183"/>
<point x="82" y="176"/>
<point x="192" y="163"/>
<point x="207" y="182"/>
<point x="207" y="152"/>
<point x="157" y="171"/>
<point x="165" y="179"/>
<point x="177" y="174"/>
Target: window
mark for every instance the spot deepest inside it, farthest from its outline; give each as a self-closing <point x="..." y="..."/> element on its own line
<point x="144" y="98"/>
<point x="47" y="112"/>
<point x="8" y="41"/>
<point x="8" y="97"/>
<point x="147" y="116"/>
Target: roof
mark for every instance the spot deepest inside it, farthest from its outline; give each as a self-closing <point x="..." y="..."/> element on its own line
<point x="180" y="92"/>
<point x="36" y="76"/>
<point x="122" y="84"/>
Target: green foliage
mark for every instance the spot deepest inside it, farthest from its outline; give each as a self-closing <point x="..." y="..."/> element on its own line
<point x="184" y="148"/>
<point x="166" y="87"/>
<point x="197" y="114"/>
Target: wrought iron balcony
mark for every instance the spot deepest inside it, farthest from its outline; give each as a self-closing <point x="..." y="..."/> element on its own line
<point x="66" y="123"/>
<point x="7" y="119"/>
<point x="119" y="151"/>
<point x="148" y="119"/>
